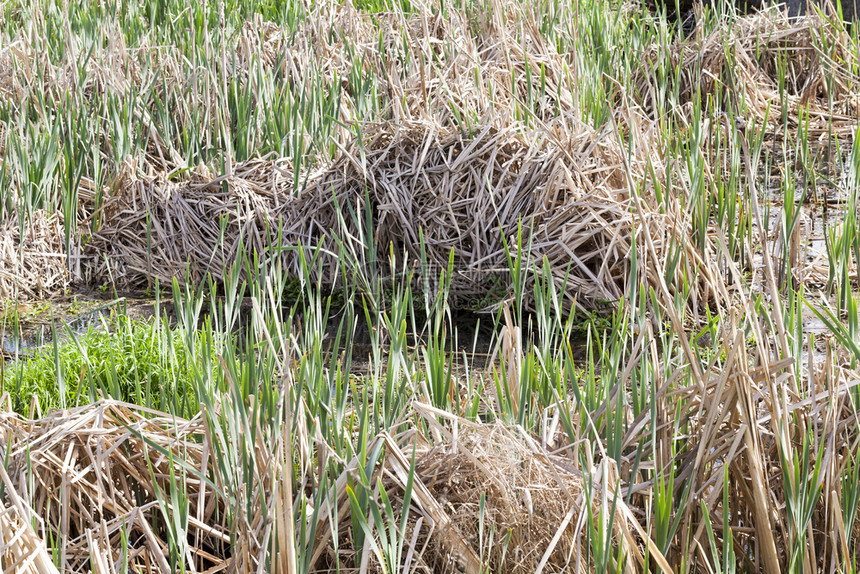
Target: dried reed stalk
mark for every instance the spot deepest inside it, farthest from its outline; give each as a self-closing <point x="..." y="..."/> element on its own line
<point x="812" y="51"/>
<point x="32" y="259"/>
<point x="462" y="194"/>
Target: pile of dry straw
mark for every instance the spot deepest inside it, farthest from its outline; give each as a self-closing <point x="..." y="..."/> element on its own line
<point x="740" y="61"/>
<point x="93" y="480"/>
<point x="464" y="180"/>
<point x="466" y="194"/>
<point x="32" y="257"/>
<point x="106" y="492"/>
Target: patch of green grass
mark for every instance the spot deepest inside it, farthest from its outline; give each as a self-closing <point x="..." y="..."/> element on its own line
<point x="140" y="362"/>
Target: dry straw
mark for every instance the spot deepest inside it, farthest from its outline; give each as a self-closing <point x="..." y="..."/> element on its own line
<point x="32" y="257"/>
<point x="466" y="194"/>
<point x="533" y="501"/>
<point x="93" y="481"/>
<point x="745" y="56"/>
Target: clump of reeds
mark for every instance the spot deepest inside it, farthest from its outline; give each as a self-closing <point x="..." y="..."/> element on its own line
<point x="32" y="257"/>
<point x="430" y="193"/>
<point x="767" y="68"/>
<point x="518" y="506"/>
<point x="112" y="466"/>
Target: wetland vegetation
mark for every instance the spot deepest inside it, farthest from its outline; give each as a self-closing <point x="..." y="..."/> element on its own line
<point x="446" y="286"/>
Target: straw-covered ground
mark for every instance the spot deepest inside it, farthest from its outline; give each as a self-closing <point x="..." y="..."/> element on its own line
<point x="659" y="225"/>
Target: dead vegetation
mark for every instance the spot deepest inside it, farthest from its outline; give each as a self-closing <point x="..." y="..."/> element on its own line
<point x="466" y="153"/>
<point x="108" y="478"/>
<point x="462" y="161"/>
<point x="419" y="182"/>
<point x="768" y="65"/>
<point x="32" y="257"/>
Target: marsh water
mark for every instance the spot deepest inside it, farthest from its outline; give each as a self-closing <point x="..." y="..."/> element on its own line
<point x="34" y="327"/>
<point x="30" y="327"/>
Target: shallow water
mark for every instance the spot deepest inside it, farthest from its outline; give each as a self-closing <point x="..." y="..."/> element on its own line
<point x="40" y="324"/>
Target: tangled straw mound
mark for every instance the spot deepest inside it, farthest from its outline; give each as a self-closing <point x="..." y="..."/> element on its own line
<point x="482" y="496"/>
<point x="459" y="161"/>
<point x="462" y="195"/>
<point x="744" y="59"/>
<point x="493" y="480"/>
<point x="96" y="484"/>
<point x="32" y="258"/>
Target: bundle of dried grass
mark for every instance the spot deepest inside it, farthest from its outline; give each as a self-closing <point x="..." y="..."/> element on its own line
<point x="810" y="54"/>
<point x="482" y="495"/>
<point x="528" y="494"/>
<point x="32" y="259"/>
<point x="470" y="151"/>
<point x="156" y="228"/>
<point x="95" y="484"/>
<point x="462" y="194"/>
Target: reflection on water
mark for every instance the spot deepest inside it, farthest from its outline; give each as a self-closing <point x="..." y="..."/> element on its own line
<point x="29" y="336"/>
